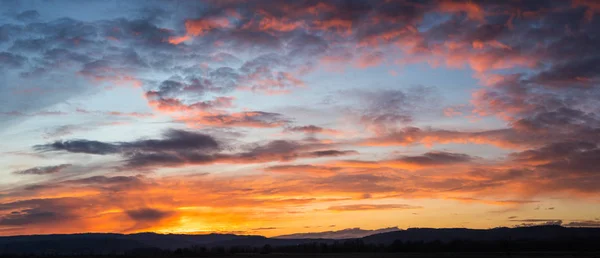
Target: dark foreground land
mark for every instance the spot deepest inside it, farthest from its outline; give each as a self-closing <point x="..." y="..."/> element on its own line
<point x="542" y="241"/>
<point x="423" y="255"/>
<point x="376" y="255"/>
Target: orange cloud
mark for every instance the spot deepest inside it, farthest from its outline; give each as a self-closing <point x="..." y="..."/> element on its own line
<point x="199" y="27"/>
<point x="276" y="24"/>
<point x="366" y="207"/>
<point x="493" y="202"/>
<point x="341" y="26"/>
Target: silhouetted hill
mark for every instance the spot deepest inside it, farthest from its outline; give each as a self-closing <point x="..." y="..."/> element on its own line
<point x="101" y="243"/>
<point x="538" y="233"/>
<point x="76" y="243"/>
<point x="96" y="243"/>
<point x="339" y="234"/>
<point x="173" y="241"/>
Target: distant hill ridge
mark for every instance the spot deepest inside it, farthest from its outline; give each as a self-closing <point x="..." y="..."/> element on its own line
<point x="99" y="243"/>
<point x="339" y="234"/>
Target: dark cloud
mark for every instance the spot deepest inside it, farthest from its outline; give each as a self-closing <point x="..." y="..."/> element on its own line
<point x="29" y="15"/>
<point x="266" y="228"/>
<point x="30" y="216"/>
<point x="104" y="180"/>
<point x="437" y="158"/>
<point x="39" y="211"/>
<point x="169" y="159"/>
<point x="563" y="158"/>
<point x="80" y="146"/>
<point x="583" y="224"/>
<point x="582" y="162"/>
<point x="311" y="129"/>
<point x="331" y="153"/>
<point x="147" y="214"/>
<point x="9" y="60"/>
<point x="282" y="150"/>
<point x="555" y="151"/>
<point x="582" y="72"/>
<point x="43" y="170"/>
<point x="174" y="140"/>
<point x="306" y="129"/>
<point x="179" y="147"/>
<point x="562" y="120"/>
<point x="537" y="222"/>
<point x="220" y="80"/>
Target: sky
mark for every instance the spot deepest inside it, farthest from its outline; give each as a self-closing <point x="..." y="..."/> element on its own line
<point x="283" y="117"/>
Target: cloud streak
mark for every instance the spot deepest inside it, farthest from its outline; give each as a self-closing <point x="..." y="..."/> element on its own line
<point x="43" y="170"/>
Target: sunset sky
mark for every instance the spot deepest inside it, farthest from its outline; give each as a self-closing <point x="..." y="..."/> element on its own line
<point x="280" y="117"/>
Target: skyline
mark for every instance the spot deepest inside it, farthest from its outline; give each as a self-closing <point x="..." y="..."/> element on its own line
<point x="283" y="117"/>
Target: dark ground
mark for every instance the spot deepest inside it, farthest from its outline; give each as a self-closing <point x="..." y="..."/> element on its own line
<point x="419" y="255"/>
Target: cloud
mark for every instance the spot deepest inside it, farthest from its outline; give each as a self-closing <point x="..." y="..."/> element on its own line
<point x="427" y="160"/>
<point x="581" y="72"/>
<point x="436" y="158"/>
<point x="538" y="222"/>
<point x="509" y="138"/>
<point x="312" y="129"/>
<point x="282" y="150"/>
<point x="80" y="146"/>
<point x="29" y="15"/>
<point x="302" y="169"/>
<point x="264" y="228"/>
<point x="9" y="60"/>
<point x="363" y="207"/>
<point x="562" y="157"/>
<point x="39" y="211"/>
<point x="384" y="110"/>
<point x="552" y="152"/>
<point x="104" y="180"/>
<point x="583" y="224"/>
<point x="61" y="131"/>
<point x="147" y="214"/>
<point x="29" y="216"/>
<point x="43" y="170"/>
<point x="173" y="140"/>
<point x="179" y="148"/>
<point x="494" y="202"/>
<point x="256" y="119"/>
